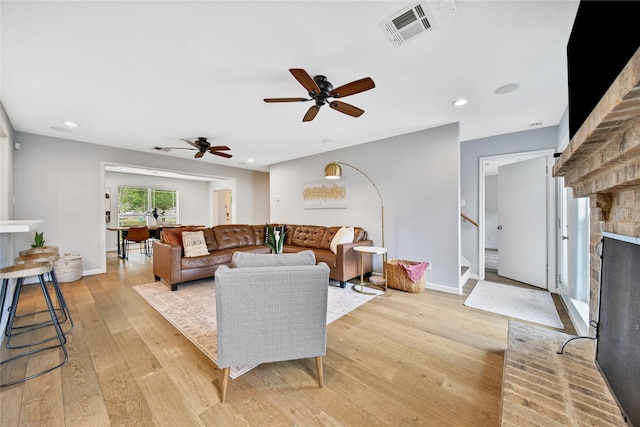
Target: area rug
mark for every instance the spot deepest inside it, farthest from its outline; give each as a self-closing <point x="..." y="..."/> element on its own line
<point x="521" y="303"/>
<point x="192" y="310"/>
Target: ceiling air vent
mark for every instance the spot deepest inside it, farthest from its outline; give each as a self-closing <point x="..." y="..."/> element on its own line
<point x="407" y="24"/>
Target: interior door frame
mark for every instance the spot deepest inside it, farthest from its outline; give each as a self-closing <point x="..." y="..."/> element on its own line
<point x="551" y="209"/>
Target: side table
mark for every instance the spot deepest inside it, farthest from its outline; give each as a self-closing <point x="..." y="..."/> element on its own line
<point x="371" y="288"/>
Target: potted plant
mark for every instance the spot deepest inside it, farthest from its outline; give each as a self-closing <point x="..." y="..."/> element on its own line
<point x="275" y="239"/>
<point x="155" y="213"/>
<point x="38" y="240"/>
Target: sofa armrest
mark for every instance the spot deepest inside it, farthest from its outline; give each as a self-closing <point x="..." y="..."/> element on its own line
<point x="167" y="263"/>
<point x="348" y="261"/>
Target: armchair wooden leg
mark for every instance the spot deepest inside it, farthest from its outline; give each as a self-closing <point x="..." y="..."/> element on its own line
<point x="225" y="383"/>
<point x="319" y="369"/>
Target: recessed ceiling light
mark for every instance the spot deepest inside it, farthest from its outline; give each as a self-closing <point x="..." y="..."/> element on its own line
<point x="460" y="102"/>
<point x="59" y="129"/>
<point x="506" y="88"/>
<point x="250" y="160"/>
<point x="70" y="124"/>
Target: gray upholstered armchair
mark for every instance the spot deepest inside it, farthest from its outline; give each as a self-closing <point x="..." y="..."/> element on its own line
<point x="271" y="308"/>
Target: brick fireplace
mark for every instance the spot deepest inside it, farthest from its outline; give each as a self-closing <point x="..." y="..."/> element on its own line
<point x="602" y="162"/>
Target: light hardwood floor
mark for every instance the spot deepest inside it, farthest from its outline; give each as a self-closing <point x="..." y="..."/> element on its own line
<point x="401" y="359"/>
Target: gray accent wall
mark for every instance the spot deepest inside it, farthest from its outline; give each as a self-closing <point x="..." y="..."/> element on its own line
<point x="61" y="182"/>
<point x="418" y="177"/>
<point x="470" y="154"/>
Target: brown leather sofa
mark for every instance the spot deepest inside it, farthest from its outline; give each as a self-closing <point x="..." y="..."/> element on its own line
<point x="173" y="268"/>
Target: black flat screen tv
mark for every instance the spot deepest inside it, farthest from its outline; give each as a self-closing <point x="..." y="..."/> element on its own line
<point x="605" y="35"/>
<point x="618" y="344"/>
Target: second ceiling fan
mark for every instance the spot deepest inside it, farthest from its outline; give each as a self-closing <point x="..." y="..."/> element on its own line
<point x="320" y="90"/>
<point x="202" y="146"/>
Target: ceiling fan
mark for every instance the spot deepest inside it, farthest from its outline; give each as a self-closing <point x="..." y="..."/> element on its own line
<point x="320" y="90"/>
<point x="202" y="145"/>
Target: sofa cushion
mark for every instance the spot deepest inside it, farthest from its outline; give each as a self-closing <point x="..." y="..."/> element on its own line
<point x="326" y="256"/>
<point x="210" y="239"/>
<point x="234" y="236"/>
<point x="329" y="232"/>
<point x="308" y="236"/>
<point x="344" y="235"/>
<point x="258" y="233"/>
<point x="211" y="260"/>
<point x="194" y="244"/>
<point x="243" y="260"/>
<point x="173" y="235"/>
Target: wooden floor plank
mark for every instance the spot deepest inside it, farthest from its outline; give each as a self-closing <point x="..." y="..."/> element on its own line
<point x="400" y="359"/>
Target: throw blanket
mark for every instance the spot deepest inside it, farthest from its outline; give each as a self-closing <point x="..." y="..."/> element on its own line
<point x="414" y="271"/>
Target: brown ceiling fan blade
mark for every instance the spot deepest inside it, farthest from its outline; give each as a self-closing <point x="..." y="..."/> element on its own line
<point x="218" y="148"/>
<point x="305" y="79"/>
<point x="353" y="88"/>
<point x="345" y="108"/>
<point x="311" y="113"/>
<point x="225" y="155"/>
<point x="286" y="99"/>
<point x="199" y="154"/>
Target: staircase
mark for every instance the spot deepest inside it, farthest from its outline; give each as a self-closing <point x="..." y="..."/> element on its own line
<point x="465" y="271"/>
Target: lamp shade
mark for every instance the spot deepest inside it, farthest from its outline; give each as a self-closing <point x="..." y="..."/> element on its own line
<point x="332" y="171"/>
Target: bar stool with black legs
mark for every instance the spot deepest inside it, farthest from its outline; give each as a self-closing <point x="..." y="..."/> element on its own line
<point x="62" y="311"/>
<point x="21" y="272"/>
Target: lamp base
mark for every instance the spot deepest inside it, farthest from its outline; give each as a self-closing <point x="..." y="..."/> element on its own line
<point x="363" y="288"/>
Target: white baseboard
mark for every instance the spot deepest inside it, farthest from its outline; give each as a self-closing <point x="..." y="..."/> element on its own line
<point x="443" y="288"/>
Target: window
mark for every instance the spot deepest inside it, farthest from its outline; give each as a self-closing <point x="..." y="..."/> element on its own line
<point x="136" y="206"/>
<point x="574" y="262"/>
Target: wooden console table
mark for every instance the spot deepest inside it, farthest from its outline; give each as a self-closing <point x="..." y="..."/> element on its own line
<point x="543" y="388"/>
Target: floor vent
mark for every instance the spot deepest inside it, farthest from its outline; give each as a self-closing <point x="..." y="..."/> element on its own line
<point x="407" y="24"/>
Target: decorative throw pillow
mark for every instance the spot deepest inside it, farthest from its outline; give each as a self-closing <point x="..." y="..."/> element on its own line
<point x="344" y="235"/>
<point x="194" y="243"/>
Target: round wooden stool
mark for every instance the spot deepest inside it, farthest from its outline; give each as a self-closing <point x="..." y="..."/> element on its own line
<point x="62" y="310"/>
<point x="21" y="272"/>
<point x="38" y="250"/>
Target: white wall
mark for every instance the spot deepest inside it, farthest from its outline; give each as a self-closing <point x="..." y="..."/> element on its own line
<point x="418" y="177"/>
<point x="470" y="153"/>
<point x="61" y="182"/>
<point x="193" y="199"/>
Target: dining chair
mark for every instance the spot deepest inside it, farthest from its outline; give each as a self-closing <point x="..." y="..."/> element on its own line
<point x="137" y="235"/>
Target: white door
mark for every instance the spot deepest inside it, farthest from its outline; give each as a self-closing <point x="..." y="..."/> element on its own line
<point x="522" y="221"/>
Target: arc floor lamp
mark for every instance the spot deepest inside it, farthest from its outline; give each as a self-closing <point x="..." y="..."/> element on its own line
<point x="334" y="171"/>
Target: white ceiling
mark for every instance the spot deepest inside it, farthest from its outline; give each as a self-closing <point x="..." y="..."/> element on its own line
<point x="139" y="74"/>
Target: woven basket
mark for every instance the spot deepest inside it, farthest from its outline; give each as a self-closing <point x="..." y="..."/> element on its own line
<point x="397" y="278"/>
<point x="68" y="268"/>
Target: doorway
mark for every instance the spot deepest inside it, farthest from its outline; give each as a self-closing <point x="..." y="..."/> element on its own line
<point x="489" y="226"/>
<point x="222" y="206"/>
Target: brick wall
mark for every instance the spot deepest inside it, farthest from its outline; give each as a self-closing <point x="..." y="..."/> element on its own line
<point x="602" y="162"/>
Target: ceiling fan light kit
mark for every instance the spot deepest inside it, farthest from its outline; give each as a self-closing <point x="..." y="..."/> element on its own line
<point x="320" y="90"/>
